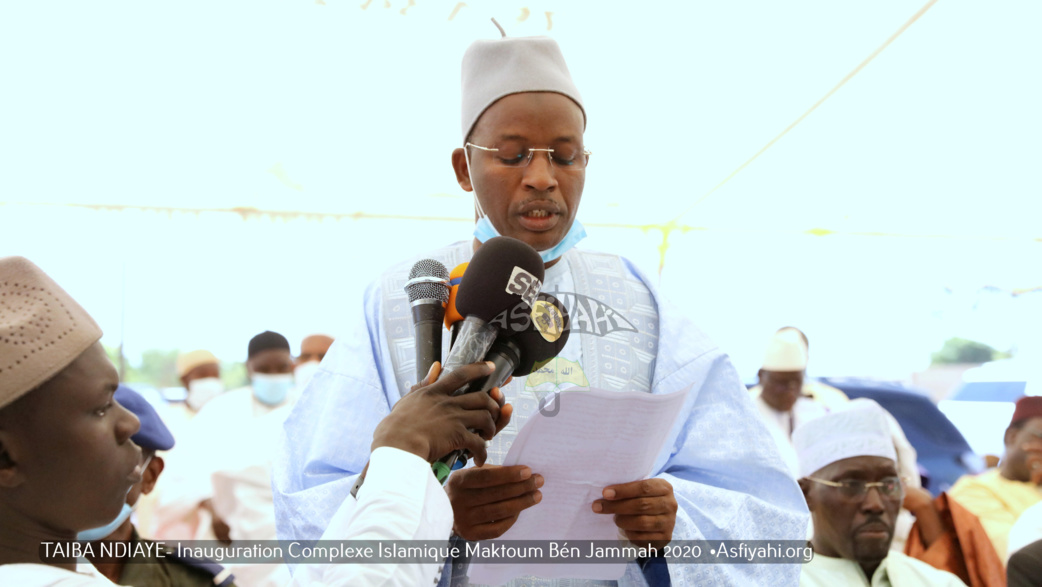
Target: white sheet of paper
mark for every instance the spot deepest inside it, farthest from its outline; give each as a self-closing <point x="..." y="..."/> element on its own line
<point x="597" y="438"/>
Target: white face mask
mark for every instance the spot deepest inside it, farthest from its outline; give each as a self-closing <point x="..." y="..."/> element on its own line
<point x="203" y="390"/>
<point x="304" y="372"/>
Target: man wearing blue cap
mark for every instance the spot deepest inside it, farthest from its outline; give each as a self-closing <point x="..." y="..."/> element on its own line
<point x="149" y="570"/>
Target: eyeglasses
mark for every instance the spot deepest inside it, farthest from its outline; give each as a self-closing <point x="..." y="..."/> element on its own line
<point x="853" y="489"/>
<point x="518" y="154"/>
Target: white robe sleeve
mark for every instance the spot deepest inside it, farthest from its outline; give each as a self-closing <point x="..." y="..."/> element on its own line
<point x="327" y="436"/>
<point x="400" y="500"/>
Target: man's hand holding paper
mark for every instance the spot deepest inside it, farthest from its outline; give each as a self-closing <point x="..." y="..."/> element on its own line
<point x="645" y="510"/>
<point x="586" y="450"/>
<point x="486" y="500"/>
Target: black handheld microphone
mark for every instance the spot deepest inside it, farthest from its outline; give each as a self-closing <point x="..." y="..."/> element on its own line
<point x="428" y="291"/>
<point x="531" y="345"/>
<point x="503" y="273"/>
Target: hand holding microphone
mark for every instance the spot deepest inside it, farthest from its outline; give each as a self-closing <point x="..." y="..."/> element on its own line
<point x="523" y="347"/>
<point x="430" y="421"/>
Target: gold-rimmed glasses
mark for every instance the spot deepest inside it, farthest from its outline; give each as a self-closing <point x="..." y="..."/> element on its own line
<point x="512" y="153"/>
<point x="855" y="488"/>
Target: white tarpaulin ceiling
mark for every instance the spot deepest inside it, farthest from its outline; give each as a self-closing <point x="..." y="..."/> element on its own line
<point x="352" y="107"/>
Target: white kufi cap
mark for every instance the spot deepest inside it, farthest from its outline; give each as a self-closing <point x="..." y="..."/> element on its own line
<point x="496" y="68"/>
<point x="785" y="352"/>
<point x="858" y="429"/>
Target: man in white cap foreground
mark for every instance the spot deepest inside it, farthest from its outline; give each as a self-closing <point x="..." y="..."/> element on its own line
<point x="67" y="461"/>
<point x="66" y="456"/>
<point x="848" y="469"/>
<point x="523" y="156"/>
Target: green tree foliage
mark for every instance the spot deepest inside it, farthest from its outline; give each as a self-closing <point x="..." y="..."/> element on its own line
<point x="234" y="375"/>
<point x="961" y="350"/>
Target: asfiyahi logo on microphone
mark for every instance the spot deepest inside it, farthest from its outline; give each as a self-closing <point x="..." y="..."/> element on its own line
<point x="524" y="284"/>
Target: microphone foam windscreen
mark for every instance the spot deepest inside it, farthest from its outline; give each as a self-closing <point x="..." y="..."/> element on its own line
<point x="428" y="280"/>
<point x="452" y="315"/>
<point x="545" y="336"/>
<point x="503" y="273"/>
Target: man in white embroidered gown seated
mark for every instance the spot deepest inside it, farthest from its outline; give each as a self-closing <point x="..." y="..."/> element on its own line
<point x="848" y="469"/>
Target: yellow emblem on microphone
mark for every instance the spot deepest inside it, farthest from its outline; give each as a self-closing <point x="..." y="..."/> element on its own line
<point x="548" y="320"/>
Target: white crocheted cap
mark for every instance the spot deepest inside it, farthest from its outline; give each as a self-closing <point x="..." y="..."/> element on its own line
<point x="496" y="68"/>
<point x="859" y="428"/>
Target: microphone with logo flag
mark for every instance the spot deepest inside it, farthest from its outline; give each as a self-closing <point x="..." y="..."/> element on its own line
<point x="503" y="273"/>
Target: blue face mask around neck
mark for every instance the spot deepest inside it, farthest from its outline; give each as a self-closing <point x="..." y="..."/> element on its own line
<point x="103" y="531"/>
<point x="484" y="230"/>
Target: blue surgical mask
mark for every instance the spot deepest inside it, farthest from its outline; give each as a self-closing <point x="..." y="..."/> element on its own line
<point x="484" y="230"/>
<point x="271" y="389"/>
<point x="103" y="531"/>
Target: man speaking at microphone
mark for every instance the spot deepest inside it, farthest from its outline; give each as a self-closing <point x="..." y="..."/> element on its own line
<point x="523" y="157"/>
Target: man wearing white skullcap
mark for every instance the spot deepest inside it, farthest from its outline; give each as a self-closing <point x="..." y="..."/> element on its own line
<point x="523" y="156"/>
<point x="67" y="460"/>
<point x="779" y="398"/>
<point x="848" y="474"/>
<point x="783" y="380"/>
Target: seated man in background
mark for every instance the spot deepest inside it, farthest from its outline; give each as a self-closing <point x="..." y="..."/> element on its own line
<point x="220" y="473"/>
<point x="149" y="570"/>
<point x="999" y="496"/>
<point x="786" y="398"/>
<point x="848" y="469"/>
<point x="200" y="373"/>
<point x="825" y="394"/>
<point x="779" y="397"/>
<point x="312" y="350"/>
